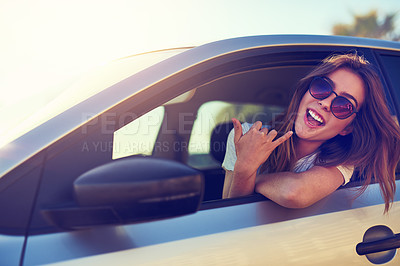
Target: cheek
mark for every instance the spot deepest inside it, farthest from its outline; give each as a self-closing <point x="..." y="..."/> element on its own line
<point x="297" y="127"/>
<point x="300" y="113"/>
<point x="341" y="123"/>
<point x="305" y="100"/>
<point x="337" y="126"/>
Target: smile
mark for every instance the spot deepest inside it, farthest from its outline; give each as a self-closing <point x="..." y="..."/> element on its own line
<point x="313" y="119"/>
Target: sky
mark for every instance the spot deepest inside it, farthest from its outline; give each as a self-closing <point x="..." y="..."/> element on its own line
<point x="46" y="41"/>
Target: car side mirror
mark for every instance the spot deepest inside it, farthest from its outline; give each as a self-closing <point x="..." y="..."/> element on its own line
<point x="131" y="190"/>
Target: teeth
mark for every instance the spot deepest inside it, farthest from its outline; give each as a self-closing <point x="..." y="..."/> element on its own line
<point x="315" y="116"/>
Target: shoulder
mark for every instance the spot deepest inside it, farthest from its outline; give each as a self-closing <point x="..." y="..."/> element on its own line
<point x="346" y="171"/>
<point x="305" y="163"/>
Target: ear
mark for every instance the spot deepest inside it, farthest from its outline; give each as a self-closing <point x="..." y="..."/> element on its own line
<point x="347" y="130"/>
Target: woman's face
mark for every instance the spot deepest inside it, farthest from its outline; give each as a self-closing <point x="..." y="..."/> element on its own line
<point x="345" y="83"/>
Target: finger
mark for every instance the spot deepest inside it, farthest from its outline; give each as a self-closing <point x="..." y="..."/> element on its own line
<point x="283" y="138"/>
<point x="256" y="126"/>
<point x="237" y="130"/>
<point x="264" y="130"/>
<point x="271" y="135"/>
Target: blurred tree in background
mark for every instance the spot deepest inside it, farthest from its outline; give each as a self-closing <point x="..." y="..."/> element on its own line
<point x="368" y="25"/>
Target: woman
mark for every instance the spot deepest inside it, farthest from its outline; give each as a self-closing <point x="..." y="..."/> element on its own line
<point x="341" y="125"/>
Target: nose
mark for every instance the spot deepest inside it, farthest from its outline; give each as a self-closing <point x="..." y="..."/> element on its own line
<point x="326" y="103"/>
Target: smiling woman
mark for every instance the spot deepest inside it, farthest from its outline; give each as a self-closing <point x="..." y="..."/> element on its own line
<point x="332" y="139"/>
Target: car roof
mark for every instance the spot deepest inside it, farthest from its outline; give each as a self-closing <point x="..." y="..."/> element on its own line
<point x="26" y="146"/>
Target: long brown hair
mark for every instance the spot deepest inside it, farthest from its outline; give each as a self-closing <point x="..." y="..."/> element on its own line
<point x="373" y="145"/>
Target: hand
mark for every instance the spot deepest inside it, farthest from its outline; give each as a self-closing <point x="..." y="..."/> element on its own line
<point x="254" y="147"/>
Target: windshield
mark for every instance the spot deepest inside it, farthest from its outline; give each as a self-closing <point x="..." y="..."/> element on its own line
<point x="22" y="114"/>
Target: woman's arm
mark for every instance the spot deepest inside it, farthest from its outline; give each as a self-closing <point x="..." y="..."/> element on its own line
<point x="299" y="190"/>
<point x="252" y="149"/>
<point x="227" y="184"/>
<point x="236" y="185"/>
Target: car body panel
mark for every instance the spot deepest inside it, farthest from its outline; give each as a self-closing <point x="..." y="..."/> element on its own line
<point x="360" y="213"/>
<point x="11" y="249"/>
<point x="316" y="240"/>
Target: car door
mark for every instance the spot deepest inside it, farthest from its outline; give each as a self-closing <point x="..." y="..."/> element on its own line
<point x="324" y="239"/>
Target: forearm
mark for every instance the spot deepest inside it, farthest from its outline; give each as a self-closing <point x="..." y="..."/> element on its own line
<point x="282" y="188"/>
<point x="252" y="149"/>
<point x="299" y="190"/>
<point x="242" y="185"/>
<point x="240" y="182"/>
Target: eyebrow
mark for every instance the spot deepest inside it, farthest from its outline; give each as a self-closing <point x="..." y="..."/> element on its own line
<point x="344" y="94"/>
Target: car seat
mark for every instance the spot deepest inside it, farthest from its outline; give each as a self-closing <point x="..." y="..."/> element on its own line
<point x="214" y="178"/>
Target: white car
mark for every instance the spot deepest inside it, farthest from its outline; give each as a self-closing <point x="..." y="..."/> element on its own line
<point x="124" y="168"/>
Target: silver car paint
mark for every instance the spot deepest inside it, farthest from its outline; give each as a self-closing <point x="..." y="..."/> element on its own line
<point x="296" y="242"/>
<point x="69" y="245"/>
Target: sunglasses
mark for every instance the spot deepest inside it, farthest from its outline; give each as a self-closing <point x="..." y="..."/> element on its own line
<point x="341" y="107"/>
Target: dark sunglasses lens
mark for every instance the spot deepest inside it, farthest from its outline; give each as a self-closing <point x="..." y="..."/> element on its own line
<point x="341" y="107"/>
<point x="320" y="88"/>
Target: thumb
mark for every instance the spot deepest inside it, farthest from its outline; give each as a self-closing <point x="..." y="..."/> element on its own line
<point x="237" y="130"/>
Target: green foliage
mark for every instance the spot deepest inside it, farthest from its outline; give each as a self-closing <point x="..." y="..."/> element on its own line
<point x="368" y="25"/>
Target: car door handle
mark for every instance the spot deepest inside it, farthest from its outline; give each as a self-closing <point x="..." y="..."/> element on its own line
<point x="379" y="244"/>
<point x="365" y="248"/>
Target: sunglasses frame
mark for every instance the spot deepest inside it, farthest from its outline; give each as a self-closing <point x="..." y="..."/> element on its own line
<point x="337" y="97"/>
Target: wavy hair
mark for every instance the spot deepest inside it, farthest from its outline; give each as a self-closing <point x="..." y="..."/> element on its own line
<point x="373" y="145"/>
